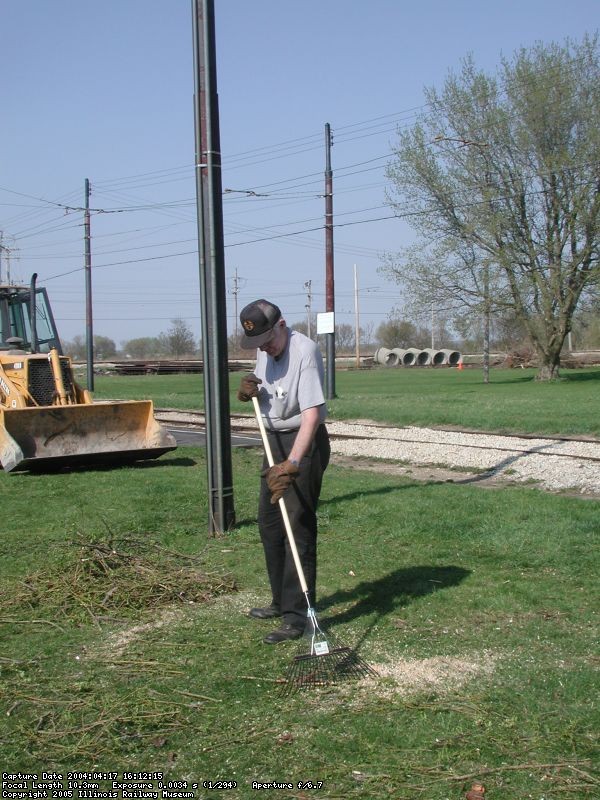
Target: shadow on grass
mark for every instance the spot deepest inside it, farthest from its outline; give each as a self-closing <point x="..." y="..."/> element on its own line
<point x="566" y="375"/>
<point x="494" y="379"/>
<point x="105" y="465"/>
<point x="394" y="591"/>
<point x="177" y="461"/>
<point x="573" y="377"/>
<point x="343" y="498"/>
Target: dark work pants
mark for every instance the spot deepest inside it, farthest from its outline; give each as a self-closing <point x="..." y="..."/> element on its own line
<point x="301" y="500"/>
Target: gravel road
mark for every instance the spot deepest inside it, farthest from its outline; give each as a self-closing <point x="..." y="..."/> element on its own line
<point x="555" y="464"/>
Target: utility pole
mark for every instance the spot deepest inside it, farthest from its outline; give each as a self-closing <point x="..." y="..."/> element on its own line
<point x="6" y="251"/>
<point x="308" y="306"/>
<point x="235" y="297"/>
<point x="486" y="321"/>
<point x="356" y="319"/>
<point x="329" y="281"/>
<point x="211" y="258"/>
<point x="486" y="294"/>
<point x="89" y="325"/>
<point x="235" y="291"/>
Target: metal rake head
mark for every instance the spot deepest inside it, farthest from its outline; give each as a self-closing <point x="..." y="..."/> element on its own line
<point x="308" y="670"/>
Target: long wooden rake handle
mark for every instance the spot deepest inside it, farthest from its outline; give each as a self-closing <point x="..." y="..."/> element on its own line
<point x="284" y="513"/>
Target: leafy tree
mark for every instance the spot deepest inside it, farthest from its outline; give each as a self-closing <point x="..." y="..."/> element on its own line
<point x="397" y="332"/>
<point x="143" y="347"/>
<point x="104" y="348"/>
<point x="178" y="341"/>
<point x="502" y="173"/>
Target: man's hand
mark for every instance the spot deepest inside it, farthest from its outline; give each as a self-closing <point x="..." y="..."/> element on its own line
<point x="248" y="388"/>
<point x="279" y="477"/>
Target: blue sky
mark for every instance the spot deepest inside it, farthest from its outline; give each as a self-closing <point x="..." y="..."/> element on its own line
<point x="104" y="91"/>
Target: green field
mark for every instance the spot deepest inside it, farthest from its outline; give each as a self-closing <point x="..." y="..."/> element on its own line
<point x="127" y="646"/>
<point x="513" y="401"/>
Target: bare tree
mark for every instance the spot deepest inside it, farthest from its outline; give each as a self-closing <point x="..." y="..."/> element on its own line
<point x="178" y="341"/>
<point x="345" y="337"/>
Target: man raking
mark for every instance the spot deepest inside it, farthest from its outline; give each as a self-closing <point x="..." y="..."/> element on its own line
<point x="288" y="383"/>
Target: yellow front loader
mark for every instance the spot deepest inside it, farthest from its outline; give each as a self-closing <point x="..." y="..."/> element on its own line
<point x="46" y="419"/>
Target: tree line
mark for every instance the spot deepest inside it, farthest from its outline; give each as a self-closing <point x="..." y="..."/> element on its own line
<point x="178" y="342"/>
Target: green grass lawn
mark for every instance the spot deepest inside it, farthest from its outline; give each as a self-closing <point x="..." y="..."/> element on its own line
<point x="126" y="644"/>
<point x="513" y="401"/>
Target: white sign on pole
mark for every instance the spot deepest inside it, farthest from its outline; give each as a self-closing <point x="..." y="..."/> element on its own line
<point x="325" y="322"/>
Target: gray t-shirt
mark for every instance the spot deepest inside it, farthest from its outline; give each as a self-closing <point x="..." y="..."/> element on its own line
<point x="291" y="383"/>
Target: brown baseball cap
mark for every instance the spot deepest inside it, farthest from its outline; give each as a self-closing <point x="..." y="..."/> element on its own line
<point x="258" y="320"/>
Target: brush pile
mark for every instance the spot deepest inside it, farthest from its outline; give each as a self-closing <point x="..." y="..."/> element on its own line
<point x="104" y="579"/>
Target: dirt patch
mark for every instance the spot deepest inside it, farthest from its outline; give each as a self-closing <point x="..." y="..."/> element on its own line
<point x="117" y="643"/>
<point x="435" y="474"/>
<point x="240" y="602"/>
<point x="440" y="674"/>
<point x="430" y="474"/>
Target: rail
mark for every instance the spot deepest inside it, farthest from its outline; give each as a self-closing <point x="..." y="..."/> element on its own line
<point x="243" y="423"/>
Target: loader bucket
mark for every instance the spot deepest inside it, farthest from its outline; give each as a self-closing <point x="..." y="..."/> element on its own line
<point x="56" y="436"/>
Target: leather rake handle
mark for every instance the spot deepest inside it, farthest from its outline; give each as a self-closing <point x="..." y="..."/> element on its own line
<point x="284" y="514"/>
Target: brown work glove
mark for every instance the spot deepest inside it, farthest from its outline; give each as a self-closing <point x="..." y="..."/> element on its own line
<point x="279" y="478"/>
<point x="248" y="387"/>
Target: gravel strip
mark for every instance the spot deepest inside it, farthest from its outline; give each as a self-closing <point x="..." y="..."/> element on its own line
<point x="554" y="465"/>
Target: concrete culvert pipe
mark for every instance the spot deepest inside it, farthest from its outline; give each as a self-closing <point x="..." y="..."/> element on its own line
<point x="406" y="358"/>
<point x="421" y="356"/>
<point x="436" y="357"/>
<point x="451" y="357"/>
<point x="386" y="357"/>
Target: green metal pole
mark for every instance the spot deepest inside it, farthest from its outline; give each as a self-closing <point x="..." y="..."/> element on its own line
<point x="212" y="270"/>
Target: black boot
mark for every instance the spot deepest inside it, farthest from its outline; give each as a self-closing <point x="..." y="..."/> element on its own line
<point x="269" y="612"/>
<point x="285" y="633"/>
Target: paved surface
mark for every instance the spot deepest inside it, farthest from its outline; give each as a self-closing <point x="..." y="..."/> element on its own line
<point x="196" y="437"/>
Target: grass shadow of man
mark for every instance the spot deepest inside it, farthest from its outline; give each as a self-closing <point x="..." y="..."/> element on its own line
<point x="386" y="595"/>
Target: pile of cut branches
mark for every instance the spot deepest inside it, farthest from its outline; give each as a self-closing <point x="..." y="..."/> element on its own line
<point x="104" y="578"/>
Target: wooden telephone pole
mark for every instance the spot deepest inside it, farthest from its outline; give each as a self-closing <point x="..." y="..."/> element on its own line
<point x="329" y="281"/>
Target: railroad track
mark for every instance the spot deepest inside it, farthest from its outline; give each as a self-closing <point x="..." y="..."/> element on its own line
<point x="386" y="433"/>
